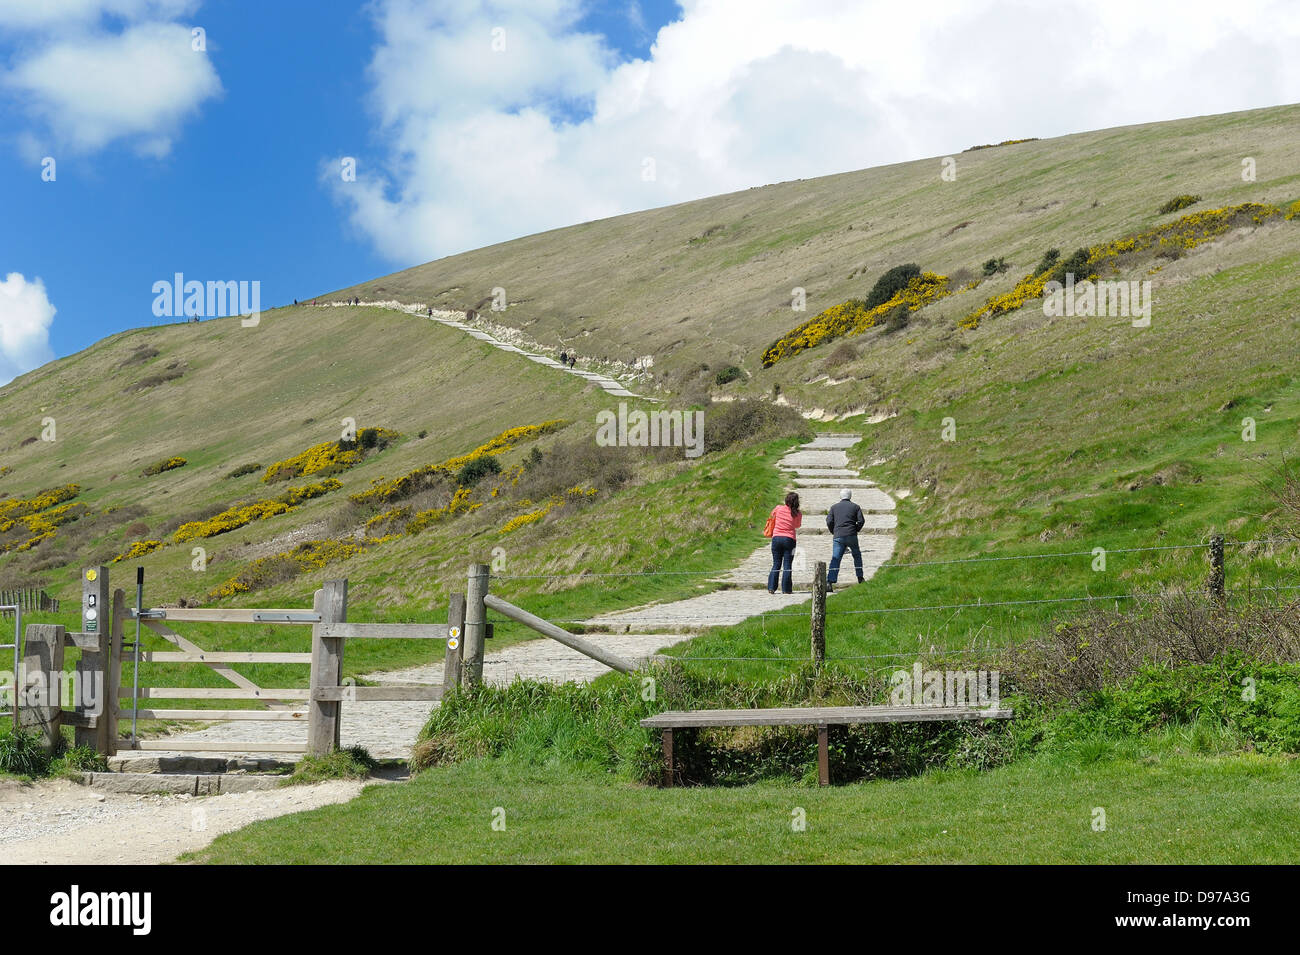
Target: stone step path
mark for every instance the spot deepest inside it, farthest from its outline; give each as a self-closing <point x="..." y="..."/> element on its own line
<point x="389" y="729"/>
<point x="456" y="320"/>
<point x="821" y="470"/>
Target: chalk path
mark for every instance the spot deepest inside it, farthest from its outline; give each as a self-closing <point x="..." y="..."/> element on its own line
<point x="457" y="321"/>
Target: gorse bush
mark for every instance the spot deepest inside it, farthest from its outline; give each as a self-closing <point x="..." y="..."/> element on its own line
<point x="891" y="283"/>
<point x="331" y="457"/>
<point x="1048" y="261"/>
<point x="477" y="470"/>
<point x="243" y="469"/>
<point x="1076" y="265"/>
<point x="995" y="266"/>
<point x="855" y="316"/>
<point x="1179" y="202"/>
<point x="729" y="374"/>
<point x="167" y="464"/>
<point x="1170" y="240"/>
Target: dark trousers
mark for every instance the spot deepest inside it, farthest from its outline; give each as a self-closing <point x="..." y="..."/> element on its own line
<point x="782" y="564"/>
<point x="838" y="546"/>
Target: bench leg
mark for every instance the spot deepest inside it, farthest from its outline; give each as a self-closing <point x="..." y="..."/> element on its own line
<point x="823" y="757"/>
<point x="668" y="758"/>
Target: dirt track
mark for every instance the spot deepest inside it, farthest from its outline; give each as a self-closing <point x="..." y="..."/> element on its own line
<point x="59" y="822"/>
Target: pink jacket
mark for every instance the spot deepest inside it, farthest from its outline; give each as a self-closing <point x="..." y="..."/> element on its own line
<point x="785" y="521"/>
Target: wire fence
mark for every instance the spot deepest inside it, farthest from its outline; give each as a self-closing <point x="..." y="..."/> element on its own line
<point x="652" y="618"/>
<point x="890" y="565"/>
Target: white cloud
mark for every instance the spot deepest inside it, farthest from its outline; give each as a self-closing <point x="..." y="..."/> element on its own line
<point x="484" y="146"/>
<point x="86" y="85"/>
<point x="25" y="317"/>
<point x="43" y="14"/>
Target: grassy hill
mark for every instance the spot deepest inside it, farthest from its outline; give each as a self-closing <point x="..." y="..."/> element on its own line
<point x="709" y="282"/>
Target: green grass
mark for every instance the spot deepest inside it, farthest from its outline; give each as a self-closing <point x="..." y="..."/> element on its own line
<point x="1160" y="807"/>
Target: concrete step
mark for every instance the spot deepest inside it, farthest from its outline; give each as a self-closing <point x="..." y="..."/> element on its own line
<point x="131" y="762"/>
<point x="823" y="473"/>
<point x="814" y="459"/>
<point x="815" y="482"/>
<point x="179" y="784"/>
<point x="830" y="442"/>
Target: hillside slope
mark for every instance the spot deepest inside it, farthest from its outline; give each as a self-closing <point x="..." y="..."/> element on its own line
<point x="709" y="282"/>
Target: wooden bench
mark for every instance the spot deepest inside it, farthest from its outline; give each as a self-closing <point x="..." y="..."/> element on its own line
<point x="822" y="717"/>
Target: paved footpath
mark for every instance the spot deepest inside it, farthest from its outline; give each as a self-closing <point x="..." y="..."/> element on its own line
<point x="818" y="470"/>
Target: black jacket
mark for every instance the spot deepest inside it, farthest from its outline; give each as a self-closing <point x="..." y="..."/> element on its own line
<point x="845" y="519"/>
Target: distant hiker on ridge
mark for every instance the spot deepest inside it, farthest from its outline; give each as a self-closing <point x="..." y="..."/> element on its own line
<point x="782" y="523"/>
<point x="844" y="520"/>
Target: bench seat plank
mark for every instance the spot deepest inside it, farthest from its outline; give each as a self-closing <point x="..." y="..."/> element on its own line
<point x="820" y="715"/>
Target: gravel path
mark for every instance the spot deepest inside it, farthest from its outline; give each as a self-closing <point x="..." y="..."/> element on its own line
<point x="57" y="822"/>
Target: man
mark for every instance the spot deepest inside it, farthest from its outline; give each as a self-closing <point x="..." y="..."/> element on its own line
<point x="845" y="520"/>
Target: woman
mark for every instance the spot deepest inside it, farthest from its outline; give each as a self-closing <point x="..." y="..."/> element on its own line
<point x="787" y="520"/>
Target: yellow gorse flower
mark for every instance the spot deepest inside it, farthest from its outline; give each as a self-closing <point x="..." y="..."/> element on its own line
<point x="853" y="317"/>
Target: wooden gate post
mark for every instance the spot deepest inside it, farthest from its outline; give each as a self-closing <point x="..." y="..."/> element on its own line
<point x="92" y="669"/>
<point x="324" y="716"/>
<point x="455" y="624"/>
<point x="475" y="625"/>
<point x="819" y="615"/>
<point x="113" y="674"/>
<point x="1216" y="581"/>
<point x="41" y="680"/>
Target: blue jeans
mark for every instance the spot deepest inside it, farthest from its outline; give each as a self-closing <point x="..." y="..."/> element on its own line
<point x="838" y="546"/>
<point x="782" y="560"/>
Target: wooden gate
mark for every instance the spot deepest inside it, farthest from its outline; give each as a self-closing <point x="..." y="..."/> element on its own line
<point x="110" y="658"/>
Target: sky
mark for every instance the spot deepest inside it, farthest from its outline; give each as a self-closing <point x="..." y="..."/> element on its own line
<point x="308" y="145"/>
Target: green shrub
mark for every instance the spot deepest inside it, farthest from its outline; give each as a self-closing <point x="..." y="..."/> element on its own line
<point x="728" y="375"/>
<point x="243" y="469"/>
<point x="353" y="762"/>
<point x="736" y="422"/>
<point x="77" y="760"/>
<point x="1076" y="264"/>
<point x="21" y="754"/>
<point x="995" y="266"/>
<point x="1050" y="258"/>
<point x="897" y="318"/>
<point x="1179" y="202"/>
<point x="477" y="470"/>
<point x="891" y="283"/>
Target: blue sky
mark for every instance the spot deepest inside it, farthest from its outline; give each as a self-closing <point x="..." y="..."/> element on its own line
<point x="475" y="122"/>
